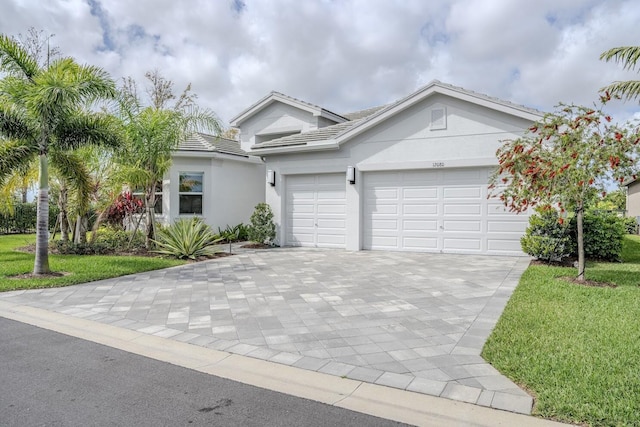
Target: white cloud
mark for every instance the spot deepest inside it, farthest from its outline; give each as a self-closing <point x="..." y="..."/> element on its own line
<point x="349" y="54"/>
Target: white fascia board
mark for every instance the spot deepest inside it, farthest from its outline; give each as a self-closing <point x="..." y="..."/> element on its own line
<point x="424" y="93"/>
<point x="430" y="164"/>
<point x="216" y="155"/>
<point x="268" y="100"/>
<point x="329" y="145"/>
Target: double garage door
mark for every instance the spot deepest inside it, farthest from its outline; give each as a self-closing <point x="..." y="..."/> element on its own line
<point x="434" y="210"/>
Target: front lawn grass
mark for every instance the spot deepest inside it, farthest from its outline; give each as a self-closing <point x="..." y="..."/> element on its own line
<point x="77" y="268"/>
<point x="575" y="348"/>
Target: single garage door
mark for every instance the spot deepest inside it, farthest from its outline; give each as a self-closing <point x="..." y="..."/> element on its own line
<point x="438" y="210"/>
<point x="315" y="210"/>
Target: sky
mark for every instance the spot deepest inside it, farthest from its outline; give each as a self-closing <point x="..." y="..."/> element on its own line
<point x="346" y="55"/>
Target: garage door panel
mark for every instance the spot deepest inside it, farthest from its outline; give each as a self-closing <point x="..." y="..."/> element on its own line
<point x="462" y="225"/>
<point x="428" y="208"/>
<point x="316" y="210"/>
<point x="465" y="244"/>
<point x="384" y="224"/>
<point x="507" y="226"/>
<point x="420" y="193"/>
<point x="336" y="224"/>
<point x="419" y="225"/>
<point x="462" y="193"/>
<point x="383" y="242"/>
<point x="301" y="222"/>
<point x="420" y="243"/>
<point x="443" y="210"/>
<point x="382" y="193"/>
<point x="462" y="209"/>
<point x="503" y="245"/>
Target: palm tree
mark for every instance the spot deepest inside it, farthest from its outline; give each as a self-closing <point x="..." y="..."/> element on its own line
<point x="45" y="115"/>
<point x="628" y="56"/>
<point x="152" y="133"/>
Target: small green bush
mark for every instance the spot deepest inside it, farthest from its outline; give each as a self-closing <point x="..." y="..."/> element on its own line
<point x="548" y="240"/>
<point x="117" y="239"/>
<point x="545" y="238"/>
<point x="603" y="235"/>
<point x="631" y="225"/>
<point x="71" y="248"/>
<point x="186" y="238"/>
<point x="239" y="233"/>
<point x="262" y="228"/>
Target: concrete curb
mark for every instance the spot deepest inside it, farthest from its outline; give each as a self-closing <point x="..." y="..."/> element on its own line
<point x="385" y="402"/>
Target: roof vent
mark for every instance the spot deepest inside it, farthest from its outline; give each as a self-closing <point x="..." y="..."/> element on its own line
<point x="438" y="118"/>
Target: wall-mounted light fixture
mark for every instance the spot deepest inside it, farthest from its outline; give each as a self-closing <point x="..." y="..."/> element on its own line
<point x="271" y="177"/>
<point x="351" y="174"/>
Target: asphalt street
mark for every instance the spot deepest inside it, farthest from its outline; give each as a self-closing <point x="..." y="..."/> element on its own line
<point x="51" y="379"/>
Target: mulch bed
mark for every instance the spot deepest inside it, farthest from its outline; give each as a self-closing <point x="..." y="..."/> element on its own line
<point x="589" y="283"/>
<point x="256" y="246"/>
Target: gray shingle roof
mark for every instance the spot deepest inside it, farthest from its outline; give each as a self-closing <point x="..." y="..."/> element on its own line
<point x="321" y="134"/>
<point x="363" y="116"/>
<point x="363" y="113"/>
<point x="210" y="143"/>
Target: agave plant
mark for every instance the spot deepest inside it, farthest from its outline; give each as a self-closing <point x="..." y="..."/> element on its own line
<point x="187" y="238"/>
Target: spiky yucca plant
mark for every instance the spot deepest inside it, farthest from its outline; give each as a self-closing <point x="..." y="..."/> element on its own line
<point x="187" y="238"/>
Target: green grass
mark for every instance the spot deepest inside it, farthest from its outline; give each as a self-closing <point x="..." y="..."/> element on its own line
<point x="80" y="268"/>
<point x="576" y="348"/>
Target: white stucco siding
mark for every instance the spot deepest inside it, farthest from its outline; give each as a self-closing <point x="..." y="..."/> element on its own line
<point x="633" y="199"/>
<point x="465" y="147"/>
<point x="231" y="189"/>
<point x="472" y="135"/>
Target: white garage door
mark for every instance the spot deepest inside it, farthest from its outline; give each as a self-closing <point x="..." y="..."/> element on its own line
<point x="316" y="208"/>
<point x="438" y="210"/>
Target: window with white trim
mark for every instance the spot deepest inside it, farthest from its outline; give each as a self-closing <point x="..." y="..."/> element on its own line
<point x="190" y="193"/>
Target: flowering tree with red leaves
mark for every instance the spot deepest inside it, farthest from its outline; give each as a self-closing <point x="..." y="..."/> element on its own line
<point x="124" y="206"/>
<point x="564" y="161"/>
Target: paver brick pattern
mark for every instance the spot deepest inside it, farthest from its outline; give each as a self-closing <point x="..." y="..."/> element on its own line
<point x="408" y="320"/>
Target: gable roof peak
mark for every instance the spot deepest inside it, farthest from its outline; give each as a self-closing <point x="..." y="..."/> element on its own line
<point x="275" y="96"/>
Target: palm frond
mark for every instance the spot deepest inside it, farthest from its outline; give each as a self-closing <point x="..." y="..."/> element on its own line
<point x="72" y="169"/>
<point x="628" y="89"/>
<point x="626" y="55"/>
<point x="15" y="123"/>
<point x="15" y="154"/>
<point x="82" y="128"/>
<point x="15" y="60"/>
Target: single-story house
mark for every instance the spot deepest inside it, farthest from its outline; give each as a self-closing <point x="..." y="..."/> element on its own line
<point x="408" y="176"/>
<point x="633" y="198"/>
<point x="213" y="178"/>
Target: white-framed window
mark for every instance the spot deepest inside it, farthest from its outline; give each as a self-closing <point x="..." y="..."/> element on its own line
<point x="190" y="193"/>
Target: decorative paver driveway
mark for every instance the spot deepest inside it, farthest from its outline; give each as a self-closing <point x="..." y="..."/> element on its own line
<point x="406" y="320"/>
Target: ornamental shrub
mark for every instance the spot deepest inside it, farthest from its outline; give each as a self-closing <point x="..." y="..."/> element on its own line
<point x="546" y="238"/>
<point x="631" y="225"/>
<point x="186" y="238"/>
<point x="603" y="235"/>
<point x="262" y="228"/>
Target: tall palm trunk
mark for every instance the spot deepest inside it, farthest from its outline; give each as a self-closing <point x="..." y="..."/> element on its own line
<point x="41" y="264"/>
